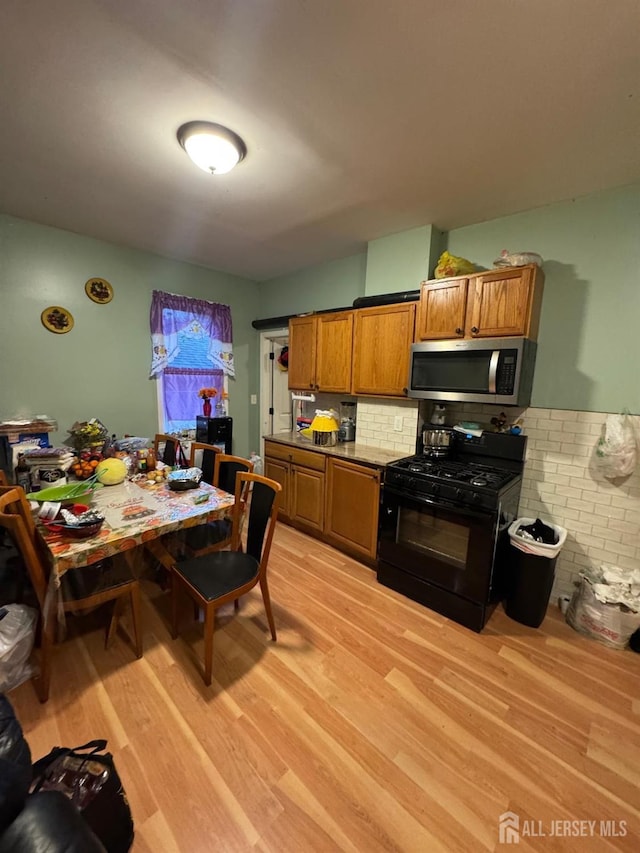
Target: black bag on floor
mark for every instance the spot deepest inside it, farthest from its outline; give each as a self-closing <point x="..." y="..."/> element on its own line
<point x="91" y="782"/>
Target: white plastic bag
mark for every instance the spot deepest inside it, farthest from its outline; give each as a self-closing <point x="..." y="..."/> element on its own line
<point x="537" y="548"/>
<point x="616" y="449"/>
<point x="256" y="460"/>
<point x="17" y="631"/>
<point x="611" y="624"/>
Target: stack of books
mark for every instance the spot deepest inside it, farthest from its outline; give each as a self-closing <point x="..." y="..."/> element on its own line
<point x="49" y="465"/>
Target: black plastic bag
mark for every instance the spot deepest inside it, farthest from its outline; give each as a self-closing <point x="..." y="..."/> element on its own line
<point x="540" y="532"/>
<point x="90" y="780"/>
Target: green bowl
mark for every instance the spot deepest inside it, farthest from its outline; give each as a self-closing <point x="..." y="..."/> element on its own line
<point x="70" y="493"/>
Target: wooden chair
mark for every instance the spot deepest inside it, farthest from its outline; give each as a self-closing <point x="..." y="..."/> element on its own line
<point x="215" y="579"/>
<point x="171" y="450"/>
<point x="208" y="460"/>
<point x="80" y="589"/>
<point x="216" y="535"/>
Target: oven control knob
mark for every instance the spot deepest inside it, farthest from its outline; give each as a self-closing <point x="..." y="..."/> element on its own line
<point x="411" y="482"/>
<point x="435" y="488"/>
<point x="475" y="497"/>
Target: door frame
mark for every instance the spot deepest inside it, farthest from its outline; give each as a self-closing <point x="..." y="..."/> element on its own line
<point x="265" y="371"/>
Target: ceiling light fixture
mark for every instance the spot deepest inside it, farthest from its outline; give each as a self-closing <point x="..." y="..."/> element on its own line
<point x="213" y="148"/>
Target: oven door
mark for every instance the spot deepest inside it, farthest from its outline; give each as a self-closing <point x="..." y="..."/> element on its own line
<point x="453" y="548"/>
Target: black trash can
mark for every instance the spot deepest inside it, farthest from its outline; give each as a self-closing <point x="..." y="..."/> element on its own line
<point x="530" y="578"/>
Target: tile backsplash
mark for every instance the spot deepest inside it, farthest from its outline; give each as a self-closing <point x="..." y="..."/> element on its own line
<point x="562" y="485"/>
<point x="392" y="424"/>
<point x="377" y="419"/>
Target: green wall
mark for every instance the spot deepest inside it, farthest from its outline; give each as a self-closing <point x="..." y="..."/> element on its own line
<point x="401" y="261"/>
<point x="589" y="342"/>
<point x="101" y="367"/>
<point x="589" y="345"/>
<point x="334" y="284"/>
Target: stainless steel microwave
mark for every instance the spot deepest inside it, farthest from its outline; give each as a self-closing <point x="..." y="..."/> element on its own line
<point x="489" y="370"/>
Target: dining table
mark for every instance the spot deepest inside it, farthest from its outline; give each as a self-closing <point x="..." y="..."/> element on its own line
<point x="136" y="513"/>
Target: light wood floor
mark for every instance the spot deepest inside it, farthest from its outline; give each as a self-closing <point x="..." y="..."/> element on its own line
<point x="372" y="724"/>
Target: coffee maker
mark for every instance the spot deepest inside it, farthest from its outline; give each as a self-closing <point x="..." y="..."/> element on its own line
<point x="347" y="429"/>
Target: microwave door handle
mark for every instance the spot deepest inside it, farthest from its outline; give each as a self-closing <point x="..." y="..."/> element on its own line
<point x="493" y="370"/>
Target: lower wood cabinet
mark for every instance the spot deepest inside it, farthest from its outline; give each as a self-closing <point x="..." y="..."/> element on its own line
<point x="327" y="496"/>
<point x="306" y="503"/>
<point x="279" y="471"/>
<point x="352" y="505"/>
<point x="301" y="475"/>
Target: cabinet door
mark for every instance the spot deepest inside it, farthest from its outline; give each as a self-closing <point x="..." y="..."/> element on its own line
<point x="334" y="339"/>
<point x="307" y="497"/>
<point x="499" y="303"/>
<point x="277" y="470"/>
<point x="302" y="353"/>
<point x="353" y="500"/>
<point x="382" y="339"/>
<point x="442" y="309"/>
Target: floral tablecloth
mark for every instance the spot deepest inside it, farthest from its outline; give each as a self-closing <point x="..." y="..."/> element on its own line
<point x="135" y="514"/>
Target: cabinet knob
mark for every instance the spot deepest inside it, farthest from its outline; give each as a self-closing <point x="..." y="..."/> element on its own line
<point x="311" y="385"/>
<point x="459" y="331"/>
<point x="474" y="330"/>
<point x="405" y="390"/>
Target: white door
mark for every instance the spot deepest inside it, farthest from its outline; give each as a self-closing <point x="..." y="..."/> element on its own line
<point x="275" y="397"/>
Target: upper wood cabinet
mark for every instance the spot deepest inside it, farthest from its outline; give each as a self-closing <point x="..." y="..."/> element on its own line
<point x="382" y="339"/>
<point x="302" y="353"/>
<point x="499" y="303"/>
<point x="320" y="352"/>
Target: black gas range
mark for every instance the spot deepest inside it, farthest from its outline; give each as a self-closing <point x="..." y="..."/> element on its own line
<point x="443" y="537"/>
<point x="458" y="483"/>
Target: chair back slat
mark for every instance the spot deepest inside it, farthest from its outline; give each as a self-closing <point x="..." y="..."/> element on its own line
<point x="227" y="468"/>
<point x="262" y="498"/>
<point x="170" y="451"/>
<point x="16" y="518"/>
<point x="208" y="461"/>
<point x="262" y="515"/>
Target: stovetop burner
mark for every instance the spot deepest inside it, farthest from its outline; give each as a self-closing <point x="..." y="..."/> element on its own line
<point x="479" y="476"/>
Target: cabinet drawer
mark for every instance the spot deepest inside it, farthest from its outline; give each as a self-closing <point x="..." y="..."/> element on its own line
<point x="277" y="451"/>
<point x="306" y="458"/>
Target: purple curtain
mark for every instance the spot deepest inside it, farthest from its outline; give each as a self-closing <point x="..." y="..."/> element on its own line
<point x="174" y="318"/>
<point x="180" y="394"/>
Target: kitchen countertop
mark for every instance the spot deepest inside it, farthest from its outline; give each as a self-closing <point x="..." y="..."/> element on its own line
<point x="354" y="451"/>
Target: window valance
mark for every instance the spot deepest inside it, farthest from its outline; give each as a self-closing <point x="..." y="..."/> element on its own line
<point x="188" y="332"/>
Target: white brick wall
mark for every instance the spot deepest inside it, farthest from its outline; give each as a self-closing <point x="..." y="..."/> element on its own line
<point x="375" y="424"/>
<point x="563" y="485"/>
<point x="375" y="420"/>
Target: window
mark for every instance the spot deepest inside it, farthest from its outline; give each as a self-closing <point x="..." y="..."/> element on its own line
<point x="178" y="396"/>
<point x="191" y="343"/>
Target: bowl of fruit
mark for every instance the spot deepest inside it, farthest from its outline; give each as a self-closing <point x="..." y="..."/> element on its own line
<point x="85" y="465"/>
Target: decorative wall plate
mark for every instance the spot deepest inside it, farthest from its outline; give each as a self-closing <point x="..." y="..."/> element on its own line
<point x="57" y="319"/>
<point x="99" y="290"/>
